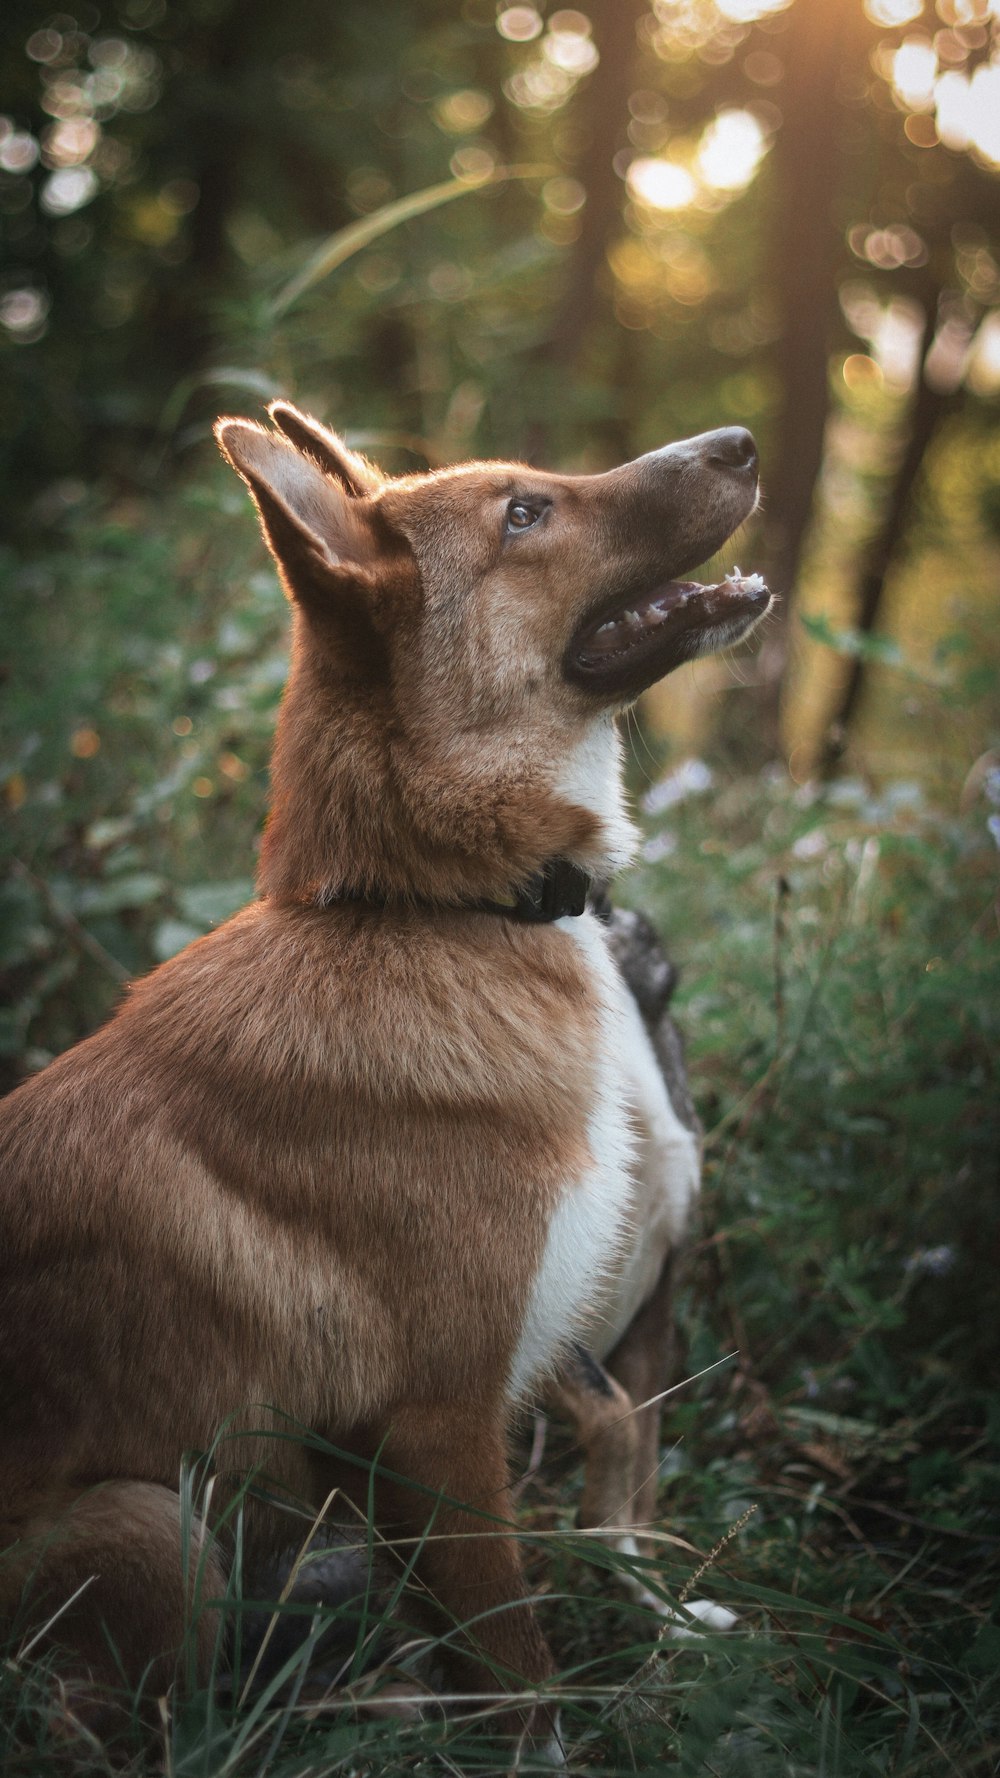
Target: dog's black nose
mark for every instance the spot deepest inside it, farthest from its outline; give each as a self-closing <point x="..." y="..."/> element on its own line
<point x="732" y="447"/>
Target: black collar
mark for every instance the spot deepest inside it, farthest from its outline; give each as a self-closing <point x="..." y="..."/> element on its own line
<point x="560" y="888"/>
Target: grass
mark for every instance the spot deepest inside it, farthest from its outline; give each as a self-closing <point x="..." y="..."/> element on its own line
<point x="836" y="1453"/>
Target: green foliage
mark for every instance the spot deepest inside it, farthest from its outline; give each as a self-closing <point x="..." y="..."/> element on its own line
<point x="841" y="999"/>
<point x="840" y="992"/>
<point x="146" y="662"/>
<point x="854" y="643"/>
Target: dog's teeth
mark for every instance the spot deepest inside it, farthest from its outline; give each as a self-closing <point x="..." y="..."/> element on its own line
<point x="607" y="637"/>
<point x="747" y="583"/>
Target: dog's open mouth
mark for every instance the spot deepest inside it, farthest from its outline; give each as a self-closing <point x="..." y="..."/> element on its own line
<point x="627" y="648"/>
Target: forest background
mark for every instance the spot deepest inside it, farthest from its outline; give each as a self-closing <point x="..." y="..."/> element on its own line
<point x="455" y="229"/>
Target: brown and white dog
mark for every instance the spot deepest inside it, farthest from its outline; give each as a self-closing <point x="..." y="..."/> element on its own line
<point x="360" y="1158"/>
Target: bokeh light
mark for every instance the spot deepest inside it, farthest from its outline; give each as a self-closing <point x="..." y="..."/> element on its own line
<point x="462" y="112"/>
<point x="722" y="163"/>
<point x="731" y="150"/>
<point x="520" y="24"/>
<point x="565" y="54"/>
<point x="68" y="190"/>
<point x="948" y="86"/>
<point x="23" y="314"/>
<point x="983" y="372"/>
<point x="968" y="111"/>
<point x="662" y="184"/>
<point x="747" y="12"/>
<point x="893" y="12"/>
<point x="18" y="149"/>
<point x="914" y="69"/>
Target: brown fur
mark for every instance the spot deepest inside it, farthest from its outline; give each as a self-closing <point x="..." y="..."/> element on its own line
<point x="311" y="1164"/>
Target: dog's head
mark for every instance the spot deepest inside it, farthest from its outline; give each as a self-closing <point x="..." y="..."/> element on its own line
<point x="476" y="629"/>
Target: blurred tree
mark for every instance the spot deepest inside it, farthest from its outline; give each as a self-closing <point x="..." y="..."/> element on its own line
<point x="713" y="176"/>
<point x="584" y="297"/>
<point x="824" y="49"/>
<point x="948" y="281"/>
<point x="152" y="154"/>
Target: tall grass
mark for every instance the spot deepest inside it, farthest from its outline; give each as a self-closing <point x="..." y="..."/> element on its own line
<point x="838" y="1446"/>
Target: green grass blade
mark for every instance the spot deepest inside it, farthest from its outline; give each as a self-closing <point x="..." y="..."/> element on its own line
<point x="339" y="247"/>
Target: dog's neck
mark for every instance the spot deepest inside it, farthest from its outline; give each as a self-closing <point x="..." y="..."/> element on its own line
<point x="591" y="778"/>
<point x="355" y="809"/>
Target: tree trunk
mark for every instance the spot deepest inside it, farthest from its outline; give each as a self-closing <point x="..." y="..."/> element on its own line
<point x="820" y="41"/>
<point x="931" y="402"/>
<point x="605" y="121"/>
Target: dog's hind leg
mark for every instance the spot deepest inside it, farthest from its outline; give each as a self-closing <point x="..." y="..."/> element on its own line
<point x="102" y="1579"/>
<point x="615" y="1441"/>
<point x="641" y="1363"/>
<point x="601" y="1414"/>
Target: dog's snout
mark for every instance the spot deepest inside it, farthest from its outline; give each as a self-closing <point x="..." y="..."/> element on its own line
<point x="731" y="447"/>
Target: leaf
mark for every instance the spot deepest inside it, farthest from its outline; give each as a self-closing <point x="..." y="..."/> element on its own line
<point x="206" y="904"/>
<point x="171" y="936"/>
<point x="134" y="891"/>
<point x="339" y="247"/>
<point x="227" y="376"/>
<point x="935" y="1108"/>
<point x="835" y="1426"/>
<point x="856" y="643"/>
<point x="984" y="1655"/>
<point x="108" y="832"/>
<point x="23" y="934"/>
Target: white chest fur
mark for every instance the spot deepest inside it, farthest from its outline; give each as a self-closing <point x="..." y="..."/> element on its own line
<point x="611" y="1229"/>
<point x="589" y="1227"/>
<point x="666" y="1175"/>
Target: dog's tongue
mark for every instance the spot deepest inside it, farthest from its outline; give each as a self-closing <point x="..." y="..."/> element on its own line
<point x="666" y="602"/>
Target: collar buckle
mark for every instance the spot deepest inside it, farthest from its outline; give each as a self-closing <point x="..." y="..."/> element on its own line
<point x="561" y="888"/>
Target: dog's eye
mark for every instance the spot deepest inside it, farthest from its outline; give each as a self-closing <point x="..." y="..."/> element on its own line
<point x="521" y="516"/>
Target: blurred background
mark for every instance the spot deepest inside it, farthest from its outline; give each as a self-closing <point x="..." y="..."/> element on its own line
<point x="624" y="225"/>
<point x="455" y="228"/>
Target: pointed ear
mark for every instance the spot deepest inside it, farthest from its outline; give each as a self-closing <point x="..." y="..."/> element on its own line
<point x="320" y="539"/>
<point x="316" y="533"/>
<point x="355" y="474"/>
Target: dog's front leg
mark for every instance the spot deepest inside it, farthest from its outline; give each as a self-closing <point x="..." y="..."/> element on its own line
<point x="470" y="1561"/>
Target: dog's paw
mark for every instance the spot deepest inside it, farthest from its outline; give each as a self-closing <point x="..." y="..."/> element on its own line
<point x="538" y="1750"/>
<point x="683" y="1623"/>
<point x="551" y="1756"/>
<point x="686" y="1623"/>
